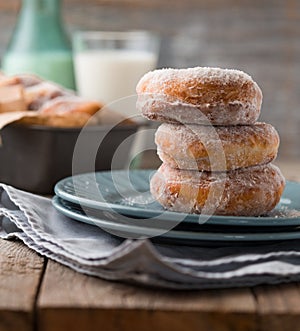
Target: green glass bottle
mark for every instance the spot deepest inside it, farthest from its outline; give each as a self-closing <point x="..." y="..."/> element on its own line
<point x="39" y="44"/>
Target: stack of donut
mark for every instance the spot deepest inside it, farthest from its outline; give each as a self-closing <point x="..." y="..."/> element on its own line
<point x="210" y="141"/>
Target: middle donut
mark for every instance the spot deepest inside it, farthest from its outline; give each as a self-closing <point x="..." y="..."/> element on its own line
<point x="222" y="148"/>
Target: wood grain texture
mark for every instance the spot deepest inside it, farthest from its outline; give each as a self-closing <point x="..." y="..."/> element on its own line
<point x="13" y="4"/>
<point x="20" y="272"/>
<point x="278" y="307"/>
<point x="259" y="37"/>
<point x="69" y="299"/>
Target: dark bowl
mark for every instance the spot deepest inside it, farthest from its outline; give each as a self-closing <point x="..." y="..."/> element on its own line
<point x="34" y="158"/>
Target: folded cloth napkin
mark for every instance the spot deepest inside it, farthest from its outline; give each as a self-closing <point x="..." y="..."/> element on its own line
<point x="91" y="250"/>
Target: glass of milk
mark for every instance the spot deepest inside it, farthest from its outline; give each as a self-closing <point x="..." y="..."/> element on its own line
<point x="108" y="65"/>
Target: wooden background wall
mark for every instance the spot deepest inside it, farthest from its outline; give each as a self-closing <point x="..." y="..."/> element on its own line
<point x="261" y="37"/>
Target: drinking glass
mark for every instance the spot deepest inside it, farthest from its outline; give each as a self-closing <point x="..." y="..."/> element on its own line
<point x="108" y="65"/>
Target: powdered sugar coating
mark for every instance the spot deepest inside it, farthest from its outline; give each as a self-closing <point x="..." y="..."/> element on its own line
<point x="196" y="147"/>
<point x="207" y="75"/>
<point x="224" y="96"/>
<point x="38" y="94"/>
<point x="252" y="191"/>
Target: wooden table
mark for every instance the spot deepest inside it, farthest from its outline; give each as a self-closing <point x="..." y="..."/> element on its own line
<point x="39" y="294"/>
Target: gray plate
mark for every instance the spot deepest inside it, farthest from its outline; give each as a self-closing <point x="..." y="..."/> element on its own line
<point x="133" y="198"/>
<point x="118" y="227"/>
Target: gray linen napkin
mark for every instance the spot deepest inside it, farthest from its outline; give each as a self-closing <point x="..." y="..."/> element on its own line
<point x="91" y="250"/>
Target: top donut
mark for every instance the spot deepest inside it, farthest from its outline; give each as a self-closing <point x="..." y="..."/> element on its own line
<point x="199" y="95"/>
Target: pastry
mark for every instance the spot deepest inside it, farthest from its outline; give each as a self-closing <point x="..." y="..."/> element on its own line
<point x="220" y="148"/>
<point x="199" y="96"/>
<point x="252" y="191"/>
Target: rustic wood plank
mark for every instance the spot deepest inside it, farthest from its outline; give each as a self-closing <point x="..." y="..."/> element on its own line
<point x="69" y="299"/>
<point x="75" y="301"/>
<point x="278" y="307"/>
<point x="253" y="36"/>
<point x="13" y="4"/>
<point x="20" y="273"/>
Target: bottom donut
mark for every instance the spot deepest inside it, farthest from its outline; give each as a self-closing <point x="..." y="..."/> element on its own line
<point x="252" y="191"/>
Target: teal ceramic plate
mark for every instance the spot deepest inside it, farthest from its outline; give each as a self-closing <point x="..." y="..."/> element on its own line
<point x="131" y="196"/>
<point x="134" y="230"/>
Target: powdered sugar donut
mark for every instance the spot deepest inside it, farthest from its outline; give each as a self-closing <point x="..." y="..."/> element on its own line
<point x="198" y="147"/>
<point x="251" y="191"/>
<point x="199" y="96"/>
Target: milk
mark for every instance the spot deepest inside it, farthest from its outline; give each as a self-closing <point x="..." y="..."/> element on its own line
<point x="108" y="75"/>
